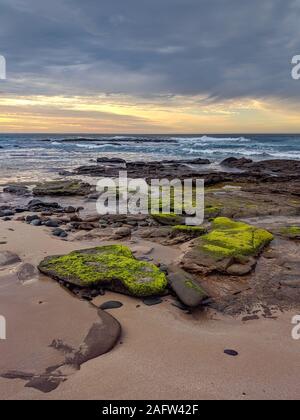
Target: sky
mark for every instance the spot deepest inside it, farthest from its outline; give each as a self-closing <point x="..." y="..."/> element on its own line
<point x="149" y="66"/>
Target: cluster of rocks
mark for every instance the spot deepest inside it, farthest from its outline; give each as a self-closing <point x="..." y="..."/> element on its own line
<point x="51" y="188"/>
<point x="36" y="206"/>
<point x="248" y="171"/>
<point x="89" y="272"/>
<point x="275" y="166"/>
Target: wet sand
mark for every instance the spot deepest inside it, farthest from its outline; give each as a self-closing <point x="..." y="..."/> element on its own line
<point x="163" y="353"/>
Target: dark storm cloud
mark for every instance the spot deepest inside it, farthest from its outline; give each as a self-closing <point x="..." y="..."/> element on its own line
<point x="219" y="48"/>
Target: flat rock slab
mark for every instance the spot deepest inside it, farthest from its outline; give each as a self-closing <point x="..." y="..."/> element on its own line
<point x="8" y="258"/>
<point x="186" y="288"/>
<point x="62" y="188"/>
<point x="51" y="334"/>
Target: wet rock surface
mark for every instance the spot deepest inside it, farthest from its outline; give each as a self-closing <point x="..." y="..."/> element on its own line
<point x="188" y="290"/>
<point x="62" y="188"/>
<point x="8" y="258"/>
<point x="112" y="304"/>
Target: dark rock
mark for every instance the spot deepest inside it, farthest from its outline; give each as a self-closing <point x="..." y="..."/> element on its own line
<point x="6" y="213"/>
<point x="36" y="222"/>
<point x="34" y="202"/>
<point x="21" y="209"/>
<point x="31" y="218"/>
<point x="69" y="209"/>
<point x="233" y="162"/>
<point x="59" y="233"/>
<point x="38" y="205"/>
<point x="112" y="304"/>
<point x="231" y="353"/>
<point x="8" y="258"/>
<point x="52" y="224"/>
<point x="111" y="160"/>
<point x="187" y="289"/>
<point x="16" y="189"/>
<point x="152" y="301"/>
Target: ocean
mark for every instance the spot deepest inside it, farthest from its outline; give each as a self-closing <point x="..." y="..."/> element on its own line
<point x="31" y="156"/>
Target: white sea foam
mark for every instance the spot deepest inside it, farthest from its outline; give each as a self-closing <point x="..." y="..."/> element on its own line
<point x="212" y="139"/>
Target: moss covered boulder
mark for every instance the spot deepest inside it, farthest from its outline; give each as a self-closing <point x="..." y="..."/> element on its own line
<point x="113" y="267"/>
<point x="62" y="188"/>
<point x="230" y="247"/>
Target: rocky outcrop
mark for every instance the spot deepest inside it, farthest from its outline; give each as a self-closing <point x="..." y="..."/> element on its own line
<point x="229" y="248"/>
<point x="272" y="166"/>
<point x="17" y="189"/>
<point x="62" y="188"/>
<point x="113" y="267"/>
<point x="233" y="162"/>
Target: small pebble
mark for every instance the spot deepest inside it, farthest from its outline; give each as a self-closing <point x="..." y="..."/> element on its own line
<point x="112" y="304"/>
<point x="231" y="353"/>
<point x="152" y="301"/>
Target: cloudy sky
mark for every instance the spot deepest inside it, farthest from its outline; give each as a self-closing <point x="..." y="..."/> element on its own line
<point x="154" y="66"/>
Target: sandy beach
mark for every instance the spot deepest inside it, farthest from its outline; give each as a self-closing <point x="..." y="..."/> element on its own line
<point x="162" y="353"/>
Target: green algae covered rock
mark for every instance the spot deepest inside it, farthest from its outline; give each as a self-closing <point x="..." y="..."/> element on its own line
<point x="229" y="238"/>
<point x="291" y="232"/>
<point x="113" y="267"/>
<point x="62" y="188"/>
<point x="230" y="247"/>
